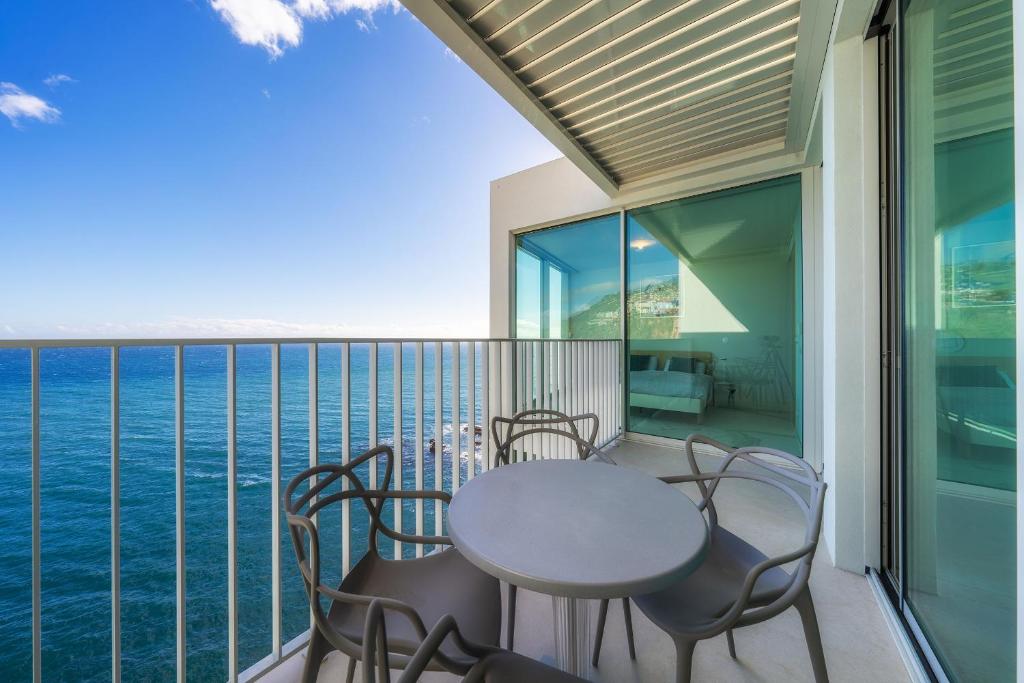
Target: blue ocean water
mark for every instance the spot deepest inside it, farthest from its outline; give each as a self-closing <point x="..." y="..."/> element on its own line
<point x="75" y="495"/>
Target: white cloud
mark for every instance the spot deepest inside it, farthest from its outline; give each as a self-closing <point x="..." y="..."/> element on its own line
<point x="266" y="93"/>
<point x="324" y="8"/>
<point x="16" y="104"/>
<point x="312" y="9"/>
<point x="53" y="80"/>
<point x="266" y="23"/>
<point x="276" y="25"/>
<point x="451" y="55"/>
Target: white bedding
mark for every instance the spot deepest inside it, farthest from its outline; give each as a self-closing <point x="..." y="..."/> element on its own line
<point x="668" y="383"/>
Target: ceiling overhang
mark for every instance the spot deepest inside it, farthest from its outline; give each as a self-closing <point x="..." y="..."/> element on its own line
<point x="637" y="90"/>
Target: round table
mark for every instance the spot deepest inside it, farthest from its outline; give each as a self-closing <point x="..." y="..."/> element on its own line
<point x="577" y="530"/>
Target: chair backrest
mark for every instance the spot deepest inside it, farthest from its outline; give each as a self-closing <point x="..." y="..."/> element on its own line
<point x="376" y="667"/>
<point x="322" y="477"/>
<point x="509" y="430"/>
<point x="301" y="510"/>
<point x="786" y="473"/>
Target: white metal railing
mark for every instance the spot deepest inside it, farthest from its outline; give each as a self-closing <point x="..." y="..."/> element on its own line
<point x="571" y="376"/>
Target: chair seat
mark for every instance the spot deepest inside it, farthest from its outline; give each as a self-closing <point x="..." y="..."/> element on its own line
<point x="709" y="592"/>
<point x="435" y="585"/>
<point x="508" y="667"/>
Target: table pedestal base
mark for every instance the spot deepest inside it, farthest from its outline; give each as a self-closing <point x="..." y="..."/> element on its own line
<point x="573" y="640"/>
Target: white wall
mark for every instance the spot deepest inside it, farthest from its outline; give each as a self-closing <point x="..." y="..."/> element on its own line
<point x="537" y="195"/>
<point x="850" y="325"/>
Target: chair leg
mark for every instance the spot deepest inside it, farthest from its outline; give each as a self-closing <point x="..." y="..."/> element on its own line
<point x="316" y="651"/>
<point x="511" y="630"/>
<point x="684" y="660"/>
<point x="351" y="675"/>
<point x="602" y="615"/>
<point x="629" y="627"/>
<point x="732" y="643"/>
<point x="805" y="606"/>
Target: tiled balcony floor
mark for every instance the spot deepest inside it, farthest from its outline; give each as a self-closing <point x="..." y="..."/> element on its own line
<point x="858" y="644"/>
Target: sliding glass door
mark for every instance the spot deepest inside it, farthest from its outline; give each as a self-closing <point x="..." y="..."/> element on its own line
<point x="714" y="316"/>
<point x="951" y="399"/>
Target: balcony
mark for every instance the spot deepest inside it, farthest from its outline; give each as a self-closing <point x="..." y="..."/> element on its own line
<point x="349" y="386"/>
<point x="350" y="397"/>
<point x="858" y="642"/>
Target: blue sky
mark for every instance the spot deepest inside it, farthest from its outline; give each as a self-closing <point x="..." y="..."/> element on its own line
<point x="278" y="167"/>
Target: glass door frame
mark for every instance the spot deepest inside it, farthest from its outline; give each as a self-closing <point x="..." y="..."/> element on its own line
<point x="892" y="573"/>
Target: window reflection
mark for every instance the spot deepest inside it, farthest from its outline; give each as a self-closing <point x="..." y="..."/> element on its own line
<point x="713" y="316"/>
<point x="567" y="281"/>
<point x="959" y="329"/>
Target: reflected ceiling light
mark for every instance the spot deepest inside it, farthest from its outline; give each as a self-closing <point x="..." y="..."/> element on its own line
<point x="641" y="243"/>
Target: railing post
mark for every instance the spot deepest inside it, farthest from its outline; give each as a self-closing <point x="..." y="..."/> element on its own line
<point x="313" y="411"/>
<point x="419" y="442"/>
<point x="438" y="431"/>
<point x="37" y="621"/>
<point x="372" y="413"/>
<point x="346" y="453"/>
<point x="232" y="519"/>
<point x="275" y="498"/>
<point x="115" y="514"/>
<point x="456" y="416"/>
<point x="471" y="407"/>
<point x="179" y="510"/>
<point x="396" y="374"/>
<point x="485" y="405"/>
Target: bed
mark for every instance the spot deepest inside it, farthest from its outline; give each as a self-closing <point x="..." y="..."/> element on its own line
<point x="680" y="381"/>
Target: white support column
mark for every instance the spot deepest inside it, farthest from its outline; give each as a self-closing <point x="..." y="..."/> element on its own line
<point x="850" y="303"/>
<point x="810" y="182"/>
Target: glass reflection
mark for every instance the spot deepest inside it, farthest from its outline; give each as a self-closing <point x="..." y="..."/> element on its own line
<point x="567" y="281"/>
<point x="714" y="316"/>
<point x="959" y="289"/>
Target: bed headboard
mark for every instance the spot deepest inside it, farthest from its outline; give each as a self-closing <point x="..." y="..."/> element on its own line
<point x="705" y="357"/>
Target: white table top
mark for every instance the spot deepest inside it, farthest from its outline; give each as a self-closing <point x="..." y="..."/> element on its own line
<point x="577" y="529"/>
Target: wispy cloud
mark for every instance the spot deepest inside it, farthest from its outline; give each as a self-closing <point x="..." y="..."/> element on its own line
<point x="276" y="25"/>
<point x="54" y="80"/>
<point x="266" y="93"/>
<point x="451" y="55"/>
<point x="16" y="105"/>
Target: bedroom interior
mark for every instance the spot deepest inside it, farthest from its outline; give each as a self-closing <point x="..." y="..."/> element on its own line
<point x="712" y="292"/>
<point x="712" y="308"/>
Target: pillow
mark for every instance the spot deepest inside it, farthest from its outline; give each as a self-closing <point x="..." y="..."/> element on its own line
<point x="681" y="364"/>
<point x="638" y="361"/>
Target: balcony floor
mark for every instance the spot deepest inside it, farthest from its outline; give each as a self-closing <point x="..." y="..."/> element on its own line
<point x="857" y="640"/>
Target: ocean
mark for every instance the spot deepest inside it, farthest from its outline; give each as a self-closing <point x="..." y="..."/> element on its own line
<point x="75" y="498"/>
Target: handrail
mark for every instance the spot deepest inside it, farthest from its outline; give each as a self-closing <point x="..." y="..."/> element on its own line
<point x="84" y="342"/>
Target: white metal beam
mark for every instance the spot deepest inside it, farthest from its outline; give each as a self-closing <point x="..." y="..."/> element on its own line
<point x="813" y="34"/>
